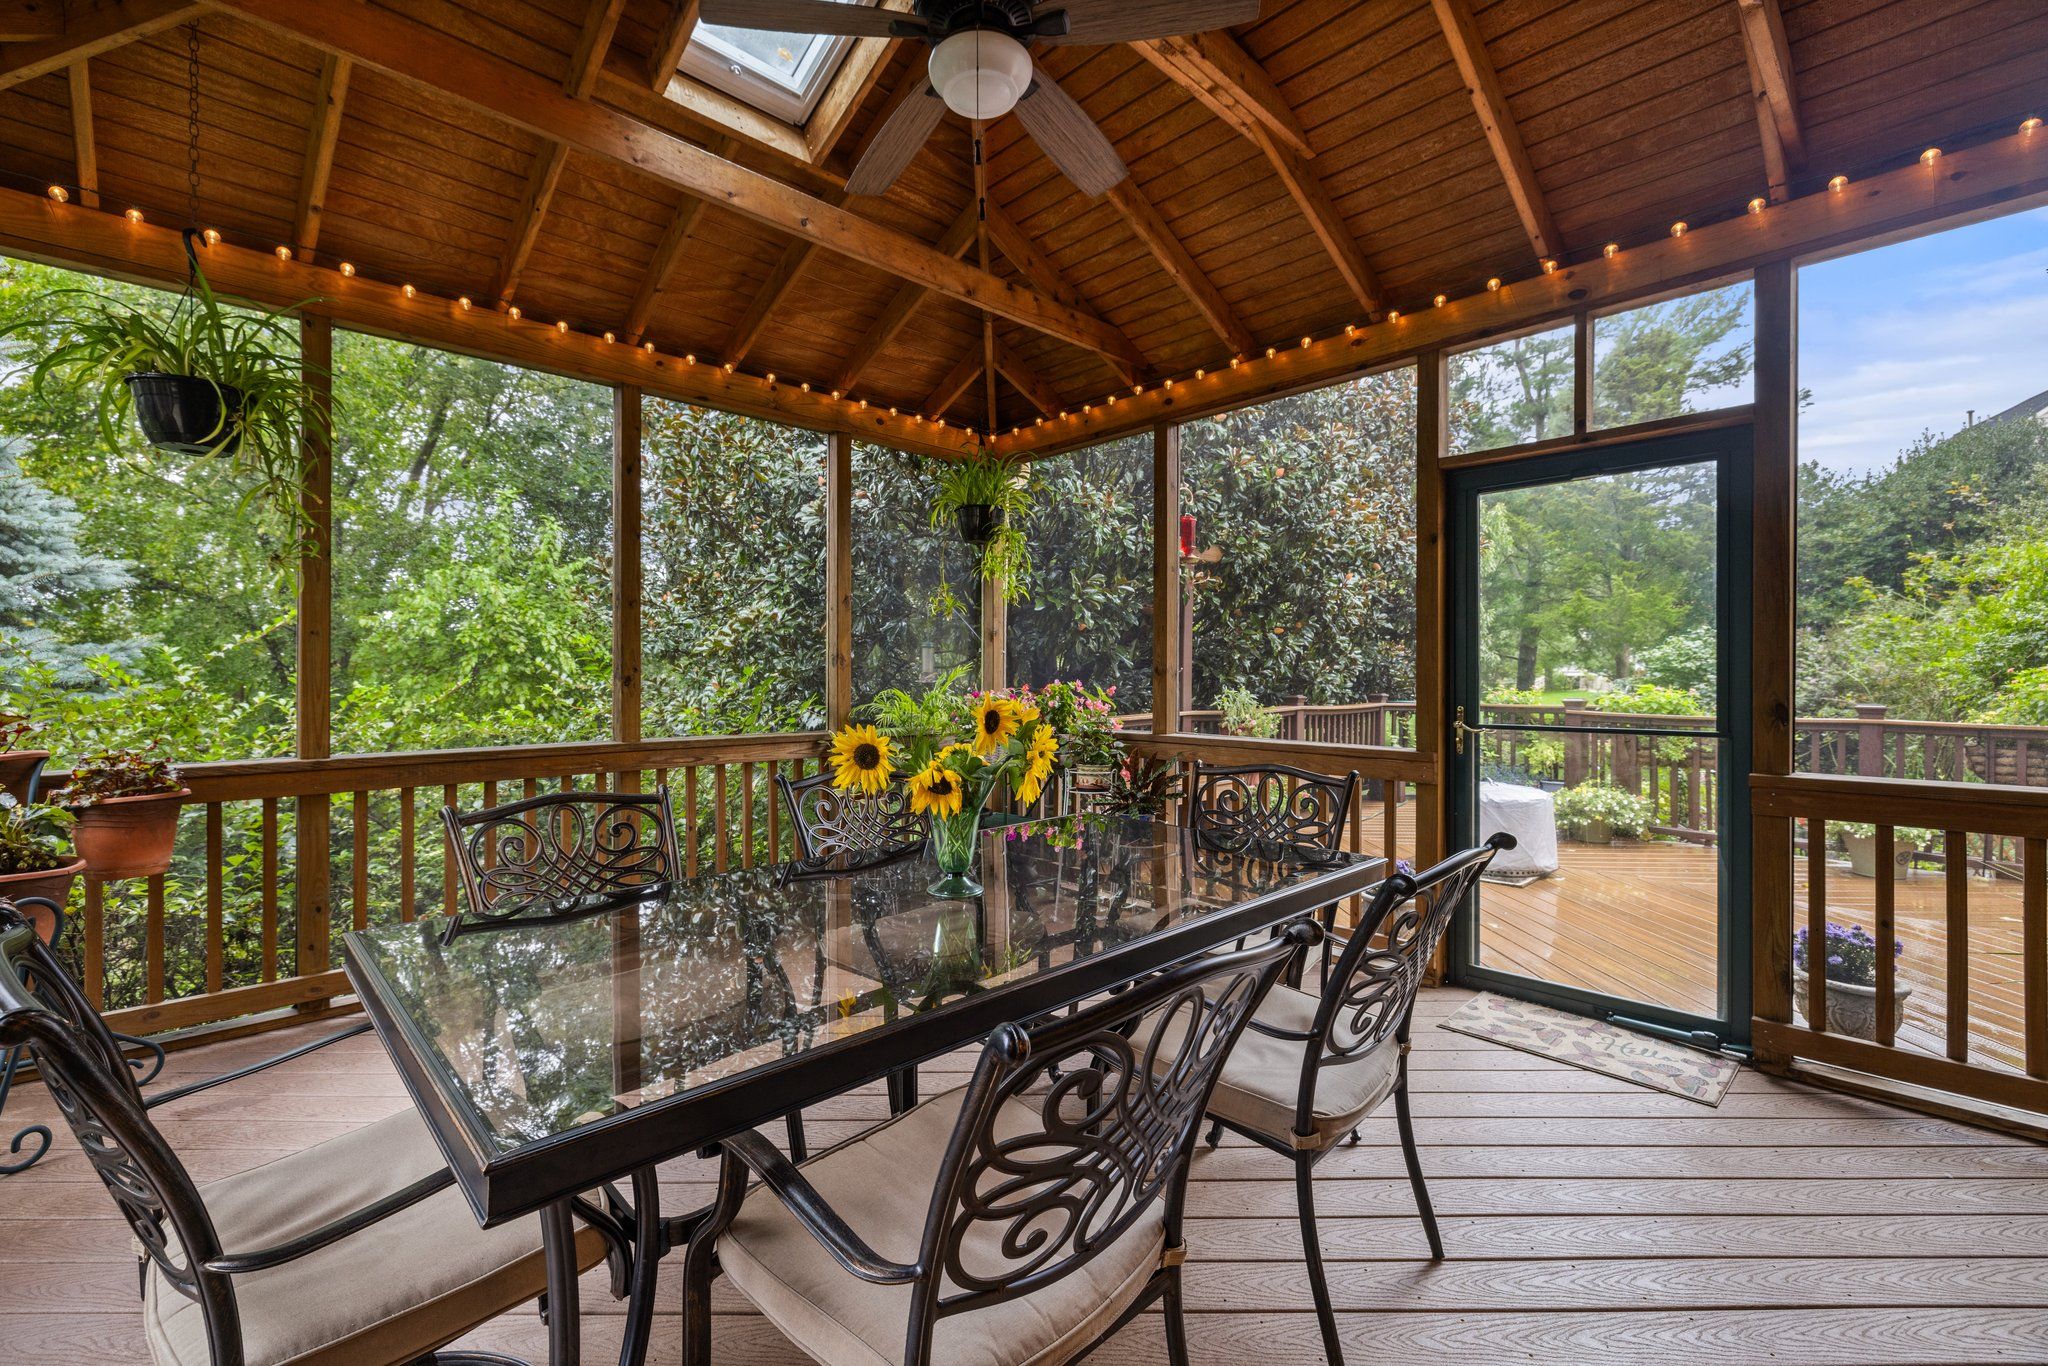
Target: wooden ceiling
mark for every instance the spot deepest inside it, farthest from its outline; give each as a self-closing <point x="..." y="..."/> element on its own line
<point x="1334" y="159"/>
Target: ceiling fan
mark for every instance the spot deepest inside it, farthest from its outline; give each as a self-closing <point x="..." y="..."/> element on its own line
<point x="981" y="67"/>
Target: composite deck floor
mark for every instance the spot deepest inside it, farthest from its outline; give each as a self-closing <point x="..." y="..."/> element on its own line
<point x="1587" y="1222"/>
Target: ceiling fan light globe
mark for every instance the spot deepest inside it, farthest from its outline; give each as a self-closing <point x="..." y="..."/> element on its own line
<point x="981" y="74"/>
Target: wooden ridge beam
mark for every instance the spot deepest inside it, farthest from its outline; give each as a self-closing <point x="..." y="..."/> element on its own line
<point x="1013" y="368"/>
<point x="1768" y="55"/>
<point x="36" y="228"/>
<point x="768" y="298"/>
<point x="675" y="239"/>
<point x="1173" y="258"/>
<point x="1995" y="177"/>
<point x="86" y="35"/>
<point x="329" y="98"/>
<point x="896" y="314"/>
<point x="420" y="55"/>
<point x="1468" y="50"/>
<point x="667" y="53"/>
<point x="957" y="381"/>
<point x="1046" y="276"/>
<point x="84" y="149"/>
<point x="31" y="21"/>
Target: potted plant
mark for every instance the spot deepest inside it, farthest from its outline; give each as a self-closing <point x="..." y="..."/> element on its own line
<point x="1851" y="971"/>
<point x="990" y="499"/>
<point x="953" y="774"/>
<point x="1091" y="742"/>
<point x="1594" y="813"/>
<point x="907" y="719"/>
<point x="19" y="764"/>
<point x="1859" y="842"/>
<point x="126" y="801"/>
<point x="36" y="858"/>
<point x="1142" y="786"/>
<point x="216" y="377"/>
<point x="1243" y="715"/>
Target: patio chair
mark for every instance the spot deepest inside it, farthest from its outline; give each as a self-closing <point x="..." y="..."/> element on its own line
<point x="560" y="855"/>
<point x="829" y="822"/>
<point x="1057" y="1177"/>
<point x="1251" y="808"/>
<point x="356" y="1250"/>
<point x="1311" y="1066"/>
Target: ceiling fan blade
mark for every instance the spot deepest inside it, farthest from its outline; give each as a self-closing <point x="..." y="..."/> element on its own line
<point x="897" y="141"/>
<point x="1135" y="21"/>
<point x="805" y="16"/>
<point x="1065" y="133"/>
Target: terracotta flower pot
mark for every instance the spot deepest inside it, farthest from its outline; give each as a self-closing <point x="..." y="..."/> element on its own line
<point x="53" y="883"/>
<point x="128" y="836"/>
<point x="18" y="770"/>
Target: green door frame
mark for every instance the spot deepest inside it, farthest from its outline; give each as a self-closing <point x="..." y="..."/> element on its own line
<point x="1729" y="448"/>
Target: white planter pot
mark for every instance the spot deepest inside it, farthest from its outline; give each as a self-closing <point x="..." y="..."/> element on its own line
<point x="1852" y="1009"/>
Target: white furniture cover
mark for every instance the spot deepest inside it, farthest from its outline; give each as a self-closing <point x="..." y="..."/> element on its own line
<point x="1527" y="813"/>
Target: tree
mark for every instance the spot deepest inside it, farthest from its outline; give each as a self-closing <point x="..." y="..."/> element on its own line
<point x="46" y="577"/>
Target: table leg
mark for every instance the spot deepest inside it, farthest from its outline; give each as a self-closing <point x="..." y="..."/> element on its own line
<point x="558" y="1244"/>
<point x="647" y="1238"/>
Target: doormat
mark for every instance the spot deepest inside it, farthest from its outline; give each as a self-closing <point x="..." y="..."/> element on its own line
<point x="1512" y="879"/>
<point x="1668" y="1067"/>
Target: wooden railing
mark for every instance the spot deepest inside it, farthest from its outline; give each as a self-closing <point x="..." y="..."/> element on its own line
<point x="1793" y="817"/>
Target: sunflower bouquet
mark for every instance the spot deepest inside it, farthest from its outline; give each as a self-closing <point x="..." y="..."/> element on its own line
<point x="949" y="777"/>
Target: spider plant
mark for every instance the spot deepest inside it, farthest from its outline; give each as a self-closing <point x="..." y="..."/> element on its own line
<point x="991" y="498"/>
<point x="95" y="342"/>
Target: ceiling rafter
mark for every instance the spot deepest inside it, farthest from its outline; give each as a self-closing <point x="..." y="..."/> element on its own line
<point x="1218" y="72"/>
<point x="1045" y="275"/>
<point x="768" y="298"/>
<point x="1482" y="82"/>
<point x="600" y="21"/>
<point x="903" y="305"/>
<point x="329" y="98"/>
<point x="667" y="53"/>
<point x="1174" y="259"/>
<point x="102" y="29"/>
<point x="957" y="382"/>
<point x="421" y="55"/>
<point x="1018" y="371"/>
<point x="84" y="149"/>
<point x="1768" y="54"/>
<point x="675" y="240"/>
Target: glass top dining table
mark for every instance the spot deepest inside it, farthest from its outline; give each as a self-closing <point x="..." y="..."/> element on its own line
<point x="551" y="1056"/>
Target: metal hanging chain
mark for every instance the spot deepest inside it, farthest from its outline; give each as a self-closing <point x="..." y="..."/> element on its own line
<point x="192" y="124"/>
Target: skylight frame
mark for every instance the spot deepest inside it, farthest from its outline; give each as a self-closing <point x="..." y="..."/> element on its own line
<point x="725" y="68"/>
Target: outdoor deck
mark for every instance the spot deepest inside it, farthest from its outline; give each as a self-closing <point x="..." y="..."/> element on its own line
<point x="1587" y="1220"/>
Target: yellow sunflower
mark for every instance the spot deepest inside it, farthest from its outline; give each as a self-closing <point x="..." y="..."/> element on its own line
<point x="995" y="723"/>
<point x="1038" y="760"/>
<point x="860" y="761"/>
<point x="936" y="792"/>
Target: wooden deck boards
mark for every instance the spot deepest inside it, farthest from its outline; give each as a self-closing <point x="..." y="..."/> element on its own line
<point x="1587" y="1221"/>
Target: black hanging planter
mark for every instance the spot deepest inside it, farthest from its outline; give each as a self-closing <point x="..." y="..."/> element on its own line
<point x="979" y="522"/>
<point x="183" y="414"/>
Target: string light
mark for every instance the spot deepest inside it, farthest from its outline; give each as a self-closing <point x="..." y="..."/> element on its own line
<point x="211" y="237"/>
<point x="1087" y="407"/>
<point x="408" y="291"/>
<point x="805" y="386"/>
<point x="2029" y="125"/>
<point x="1839" y="183"/>
<point x="1680" y="228"/>
<point x="648" y="347"/>
<point x="1137" y="389"/>
<point x="1236" y="361"/>
<point x="835" y="393"/>
<point x="1169" y="383"/>
<point x="133" y="215"/>
<point x="863" y="405"/>
<point x="1040" y="422"/>
<point x="1272" y="351"/>
<point x="561" y="324"/>
<point x="465" y="303"/>
<point x="1201" y="373"/>
<point x="60" y="194"/>
<point x="1440" y="300"/>
<point x="1305" y="341"/>
<point x="892" y="410"/>
<point x="1930" y="156"/>
<point x="1758" y="205"/>
<point x="729" y="367"/>
<point x="1393" y="315"/>
<point x="1611" y="250"/>
<point x="771" y="377"/>
<point x="690" y="359"/>
<point x="1550" y="265"/>
<point x="1350" y="329"/>
<point x="348" y="270"/>
<point x="1493" y="284"/>
<point x="512" y="312"/>
<point x="284" y="253"/>
<point x="611" y="337"/>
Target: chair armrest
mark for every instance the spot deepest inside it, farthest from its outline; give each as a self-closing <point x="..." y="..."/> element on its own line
<point x="180" y="1092"/>
<point x="1276" y="1032"/>
<point x="236" y="1264"/>
<point x="819" y="1219"/>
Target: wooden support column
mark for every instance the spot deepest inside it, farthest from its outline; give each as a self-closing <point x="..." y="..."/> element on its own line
<point x="626" y="591"/>
<point x="1432" y="622"/>
<point x="84" y="150"/>
<point x="313" y="874"/>
<point x="1167" y="663"/>
<point x="995" y="636"/>
<point x="838" y="579"/>
<point x="1776" y="456"/>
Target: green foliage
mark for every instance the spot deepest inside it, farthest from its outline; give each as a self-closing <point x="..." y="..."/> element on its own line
<point x="34" y="837"/>
<point x="1243" y="715"/>
<point x="1143" y="786"/>
<point x="918" y="722"/>
<point x="1686" y="662"/>
<point x="110" y="773"/>
<point x="1625" y="813"/>
<point x="1649" y="699"/>
<point x="1007" y="486"/>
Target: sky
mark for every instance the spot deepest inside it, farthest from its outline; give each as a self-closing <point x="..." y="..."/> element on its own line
<point x="1911" y="337"/>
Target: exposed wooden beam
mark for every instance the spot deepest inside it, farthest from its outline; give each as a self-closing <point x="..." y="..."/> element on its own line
<point x="1483" y="84"/>
<point x="422" y="55"/>
<point x="600" y="21"/>
<point x="838" y="581"/>
<point x="768" y="298"/>
<point x="31" y="21"/>
<point x="956" y="383"/>
<point x="1013" y="368"/>
<point x="88" y="34"/>
<point x="674" y="240"/>
<point x="35" y="228"/>
<point x="1768" y="55"/>
<point x="1216" y="70"/>
<point x="903" y="305"/>
<point x="1045" y="276"/>
<point x="667" y="53"/>
<point x="1174" y="259"/>
<point x="1997" y="177"/>
<point x="857" y="78"/>
<point x="328" y="101"/>
<point x="84" y="150"/>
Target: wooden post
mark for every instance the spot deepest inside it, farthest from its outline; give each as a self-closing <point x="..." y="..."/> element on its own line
<point x="1870" y="740"/>
<point x="1578" y="747"/>
<point x="1582" y="373"/>
<point x="627" y="434"/>
<point x="1775" y="462"/>
<point x="1168" y="661"/>
<point x="1432" y="622"/>
<point x="839" y="579"/>
<point x="312" y="889"/>
<point x="995" y="637"/>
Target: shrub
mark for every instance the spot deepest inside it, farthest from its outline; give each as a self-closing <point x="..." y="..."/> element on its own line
<point x="1624" y="813"/>
<point x="1243" y="715"/>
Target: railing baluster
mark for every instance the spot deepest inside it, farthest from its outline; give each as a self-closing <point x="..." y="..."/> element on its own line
<point x="490" y="800"/>
<point x="1817" y="925"/>
<point x="408" y="853"/>
<point x="448" y="797"/>
<point x="359" y="837"/>
<point x="530" y="788"/>
<point x="270" y="889"/>
<point x="1956" y="879"/>
<point x="690" y="818"/>
<point x="2034" y="942"/>
<point x="95" y="942"/>
<point x="216" y="919"/>
<point x="722" y="818"/>
<point x="153" y="941"/>
<point x="1885" y="932"/>
<point x="774" y="812"/>
<point x="746" y="815"/>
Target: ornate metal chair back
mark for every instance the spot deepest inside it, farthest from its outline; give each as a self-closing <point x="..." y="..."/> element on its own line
<point x="42" y="1009"/>
<point x="1248" y="805"/>
<point x="562" y="854"/>
<point x="829" y="822"/>
<point x="1114" y="1094"/>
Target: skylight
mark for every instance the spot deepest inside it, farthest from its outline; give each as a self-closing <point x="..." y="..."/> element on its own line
<point x="781" y="74"/>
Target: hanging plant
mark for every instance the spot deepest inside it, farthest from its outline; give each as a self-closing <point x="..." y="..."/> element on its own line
<point x="990" y="499"/>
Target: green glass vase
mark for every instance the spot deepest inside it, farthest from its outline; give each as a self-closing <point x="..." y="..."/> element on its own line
<point x="955" y="841"/>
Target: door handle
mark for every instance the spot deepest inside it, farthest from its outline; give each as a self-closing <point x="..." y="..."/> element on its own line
<point x="1458" y="729"/>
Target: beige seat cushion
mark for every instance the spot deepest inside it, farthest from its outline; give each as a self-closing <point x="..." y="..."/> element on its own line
<point x="393" y="1292"/>
<point x="881" y="1184"/>
<point x="1261" y="1080"/>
